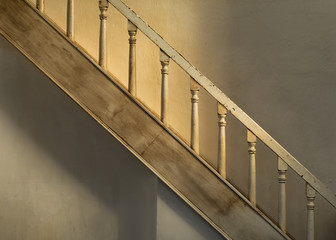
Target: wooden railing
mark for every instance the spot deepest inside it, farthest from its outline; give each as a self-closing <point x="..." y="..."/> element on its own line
<point x="224" y="105"/>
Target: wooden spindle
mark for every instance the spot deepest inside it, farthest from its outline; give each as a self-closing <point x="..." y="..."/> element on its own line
<point x="40" y="5"/>
<point x="70" y="19"/>
<point x="311" y="194"/>
<point x="282" y="169"/>
<point x="132" y="31"/>
<point x="221" y="164"/>
<point x="103" y="6"/>
<point x="252" y="141"/>
<point x="164" y="59"/>
<point x="194" y="138"/>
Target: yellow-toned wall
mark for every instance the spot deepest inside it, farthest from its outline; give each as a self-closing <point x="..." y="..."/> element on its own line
<point x="275" y="59"/>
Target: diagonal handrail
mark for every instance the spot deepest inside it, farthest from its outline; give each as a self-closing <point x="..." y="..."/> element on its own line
<point x="226" y="101"/>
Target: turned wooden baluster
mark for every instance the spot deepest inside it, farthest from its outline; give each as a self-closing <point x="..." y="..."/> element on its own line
<point x="282" y="169"/>
<point x="221" y="164"/>
<point x="194" y="138"/>
<point x="132" y="31"/>
<point x="103" y="6"/>
<point x="164" y="59"/>
<point x="70" y="19"/>
<point x="40" y="5"/>
<point x="311" y="194"/>
<point x="252" y="191"/>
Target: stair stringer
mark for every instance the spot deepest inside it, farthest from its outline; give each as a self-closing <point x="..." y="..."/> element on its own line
<point x="136" y="128"/>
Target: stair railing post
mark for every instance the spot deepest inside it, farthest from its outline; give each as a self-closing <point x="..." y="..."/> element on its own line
<point x="311" y="194"/>
<point x="40" y="5"/>
<point x="70" y="19"/>
<point x="194" y="136"/>
<point x="164" y="59"/>
<point x="252" y="190"/>
<point x="132" y="31"/>
<point x="282" y="169"/>
<point x="221" y="164"/>
<point x="103" y="6"/>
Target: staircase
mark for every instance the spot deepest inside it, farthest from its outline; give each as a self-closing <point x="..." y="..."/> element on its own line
<point x="176" y="162"/>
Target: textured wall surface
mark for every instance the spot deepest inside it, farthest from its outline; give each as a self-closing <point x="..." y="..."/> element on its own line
<point x="275" y="59"/>
<point x="64" y="177"/>
<point x="177" y="221"/>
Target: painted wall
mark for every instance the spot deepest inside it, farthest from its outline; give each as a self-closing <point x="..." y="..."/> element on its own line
<point x="62" y="176"/>
<point x="177" y="221"/>
<point x="275" y="59"/>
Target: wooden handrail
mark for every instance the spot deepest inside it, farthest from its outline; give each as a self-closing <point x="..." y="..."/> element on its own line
<point x="226" y="101"/>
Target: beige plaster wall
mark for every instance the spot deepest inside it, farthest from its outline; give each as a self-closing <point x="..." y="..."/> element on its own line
<point x="275" y="59"/>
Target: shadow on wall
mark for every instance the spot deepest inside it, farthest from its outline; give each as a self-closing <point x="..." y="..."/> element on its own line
<point x="122" y="188"/>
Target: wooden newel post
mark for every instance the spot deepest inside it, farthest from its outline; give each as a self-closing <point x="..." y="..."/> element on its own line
<point x="311" y="194"/>
<point x="164" y="59"/>
<point x="252" y="141"/>
<point x="70" y="19"/>
<point x="282" y="169"/>
<point x="221" y="164"/>
<point x="40" y="5"/>
<point x="194" y="138"/>
<point x="132" y="31"/>
<point x="103" y="6"/>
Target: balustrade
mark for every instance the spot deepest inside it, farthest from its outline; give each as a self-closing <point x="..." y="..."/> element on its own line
<point x="194" y="136"/>
<point x="132" y="31"/>
<point x="282" y="169"/>
<point x="311" y="194"/>
<point x="134" y="22"/>
<point x="103" y="6"/>
<point x="252" y="190"/>
<point x="221" y="164"/>
<point x="40" y="5"/>
<point x="70" y="19"/>
<point x="164" y="59"/>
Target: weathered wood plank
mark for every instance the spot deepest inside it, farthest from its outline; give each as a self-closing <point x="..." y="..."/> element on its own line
<point x="144" y="135"/>
<point x="198" y="184"/>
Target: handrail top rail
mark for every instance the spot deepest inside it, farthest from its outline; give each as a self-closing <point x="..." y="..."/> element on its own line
<point x="210" y="87"/>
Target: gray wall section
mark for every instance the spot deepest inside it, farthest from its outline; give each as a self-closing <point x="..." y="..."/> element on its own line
<point x="277" y="62"/>
<point x="62" y="176"/>
<point x="177" y="221"/>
